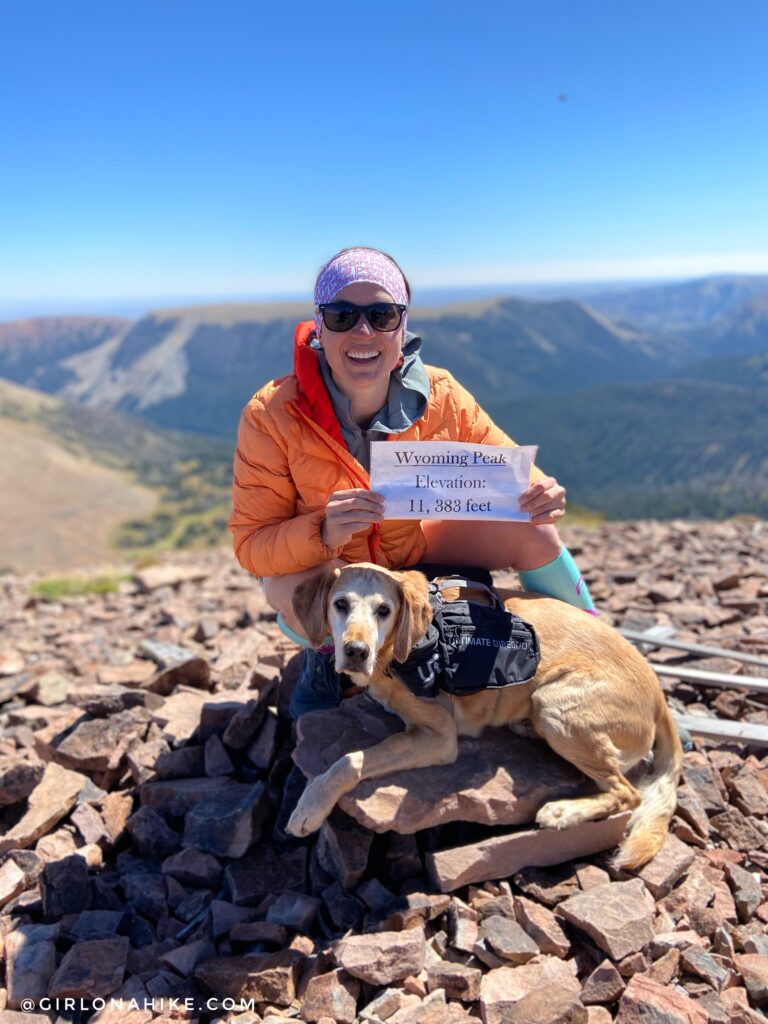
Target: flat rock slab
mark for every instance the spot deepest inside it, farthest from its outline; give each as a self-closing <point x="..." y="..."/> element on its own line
<point x="51" y="800"/>
<point x="497" y="779"/>
<point x="502" y="856"/>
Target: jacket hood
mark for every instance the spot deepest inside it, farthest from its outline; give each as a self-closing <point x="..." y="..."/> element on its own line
<point x="314" y="399"/>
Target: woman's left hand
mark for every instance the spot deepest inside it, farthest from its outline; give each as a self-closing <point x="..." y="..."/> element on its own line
<point x="544" y="501"/>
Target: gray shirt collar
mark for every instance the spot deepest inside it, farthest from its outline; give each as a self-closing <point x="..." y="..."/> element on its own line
<point x="406" y="399"/>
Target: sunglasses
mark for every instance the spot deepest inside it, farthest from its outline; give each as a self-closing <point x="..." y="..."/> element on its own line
<point x="342" y="316"/>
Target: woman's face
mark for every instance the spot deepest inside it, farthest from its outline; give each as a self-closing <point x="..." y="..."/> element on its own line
<point x="362" y="359"/>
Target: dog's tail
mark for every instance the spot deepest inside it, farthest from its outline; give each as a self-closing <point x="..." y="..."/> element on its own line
<point x="649" y="823"/>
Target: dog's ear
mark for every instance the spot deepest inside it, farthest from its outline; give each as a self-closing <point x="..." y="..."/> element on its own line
<point x="415" y="613"/>
<point x="310" y="605"/>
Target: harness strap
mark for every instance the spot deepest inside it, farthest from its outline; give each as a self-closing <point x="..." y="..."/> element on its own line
<point x="447" y="583"/>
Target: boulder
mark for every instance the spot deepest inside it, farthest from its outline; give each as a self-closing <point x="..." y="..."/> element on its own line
<point x="497" y="779"/>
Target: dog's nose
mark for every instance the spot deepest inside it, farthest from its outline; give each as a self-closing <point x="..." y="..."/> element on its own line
<point x="356" y="651"/>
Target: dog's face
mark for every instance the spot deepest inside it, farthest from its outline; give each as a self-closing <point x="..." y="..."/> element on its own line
<point x="372" y="614"/>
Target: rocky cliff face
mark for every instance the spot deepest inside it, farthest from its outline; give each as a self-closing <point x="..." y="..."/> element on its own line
<point x="147" y="770"/>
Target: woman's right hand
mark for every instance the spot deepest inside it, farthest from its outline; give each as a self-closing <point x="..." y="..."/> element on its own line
<point x="348" y="512"/>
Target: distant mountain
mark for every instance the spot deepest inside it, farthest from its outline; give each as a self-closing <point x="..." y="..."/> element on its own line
<point x="690" y="445"/>
<point x="681" y="306"/>
<point x="31" y="351"/>
<point x="747" y="371"/>
<point x="81" y="484"/>
<point x="194" y="369"/>
<point x="743" y="330"/>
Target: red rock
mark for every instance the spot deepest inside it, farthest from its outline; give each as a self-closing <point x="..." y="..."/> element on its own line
<point x="458" y="981"/>
<point x="153" y="577"/>
<point x="415" y="908"/>
<point x="698" y="962"/>
<point x="265" y="871"/>
<point x="542" y="926"/>
<point x="665" y="968"/>
<point x="264" y="977"/>
<point x="51" y="800"/>
<point x="261" y="751"/>
<point x="343" y="848"/>
<point x="618" y="916"/>
<point x="100" y="744"/>
<point x="294" y="910"/>
<point x="645" y="1000"/>
<point x="217" y="761"/>
<point x="192" y="867"/>
<point x="502" y="856"/>
<point x="12" y="882"/>
<point x="11" y="662"/>
<point x="737" y="831"/>
<point x="507" y="939"/>
<point x="493" y="781"/>
<point x="116" y="808"/>
<point x="184" y="959"/>
<point x="633" y="964"/>
<point x="690" y="807"/>
<point x="135" y="673"/>
<point x="229" y="823"/>
<point x="747" y="894"/>
<point x="663" y="942"/>
<point x="749" y="795"/>
<point x="604" y="985"/>
<point x="598" y="1015"/>
<point x="463" y="928"/>
<point x="30" y="955"/>
<point x="176" y="797"/>
<point x="383" y="957"/>
<point x="245" y="723"/>
<point x="91" y="969"/>
<point x="699" y="776"/>
<point x="590" y="876"/>
<point x="331" y="995"/>
<point x="432" y="1011"/>
<point x="754" y="972"/>
<point x="546" y="992"/>
<point x="259" y="931"/>
<point x="387" y="1003"/>
<point x="90" y="825"/>
<point x="667" y="867"/>
<point x="18" y="777"/>
<point x="151" y="836"/>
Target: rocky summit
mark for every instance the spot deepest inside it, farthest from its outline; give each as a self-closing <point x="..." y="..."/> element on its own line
<point x="148" y="769"/>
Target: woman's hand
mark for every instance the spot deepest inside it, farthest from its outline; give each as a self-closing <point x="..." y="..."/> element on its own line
<point x="348" y="512"/>
<point x="544" y="501"/>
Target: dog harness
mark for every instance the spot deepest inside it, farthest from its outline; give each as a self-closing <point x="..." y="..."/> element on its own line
<point x="469" y="647"/>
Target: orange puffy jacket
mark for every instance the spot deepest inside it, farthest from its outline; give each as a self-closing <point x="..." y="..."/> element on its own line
<point x="291" y="457"/>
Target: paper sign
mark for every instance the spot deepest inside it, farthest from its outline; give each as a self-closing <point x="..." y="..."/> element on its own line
<point x="450" y="479"/>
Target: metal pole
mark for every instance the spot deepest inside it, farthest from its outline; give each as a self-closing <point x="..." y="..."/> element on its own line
<point x="681" y="645"/>
<point x="716" y="679"/>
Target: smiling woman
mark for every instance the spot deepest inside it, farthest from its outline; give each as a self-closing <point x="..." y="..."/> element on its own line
<point x="301" y="495"/>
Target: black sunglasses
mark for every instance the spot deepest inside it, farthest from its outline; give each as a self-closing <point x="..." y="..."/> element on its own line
<point x="342" y="316"/>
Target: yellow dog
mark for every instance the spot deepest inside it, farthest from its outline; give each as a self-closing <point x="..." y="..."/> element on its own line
<point x="593" y="699"/>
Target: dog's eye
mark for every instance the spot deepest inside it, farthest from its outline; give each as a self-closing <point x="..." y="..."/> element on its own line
<point x="341" y="604"/>
<point x="383" y="611"/>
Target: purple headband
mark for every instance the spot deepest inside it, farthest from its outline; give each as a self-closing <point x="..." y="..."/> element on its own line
<point x="359" y="265"/>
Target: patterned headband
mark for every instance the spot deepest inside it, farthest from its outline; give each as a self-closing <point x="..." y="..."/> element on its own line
<point x="359" y="265"/>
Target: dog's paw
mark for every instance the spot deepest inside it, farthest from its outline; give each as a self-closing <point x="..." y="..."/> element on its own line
<point x="558" y="814"/>
<point x="309" y="814"/>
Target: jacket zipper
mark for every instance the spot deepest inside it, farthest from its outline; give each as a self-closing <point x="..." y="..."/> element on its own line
<point x="374" y="545"/>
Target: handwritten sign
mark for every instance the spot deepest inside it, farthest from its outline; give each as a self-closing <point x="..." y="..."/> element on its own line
<point x="450" y="479"/>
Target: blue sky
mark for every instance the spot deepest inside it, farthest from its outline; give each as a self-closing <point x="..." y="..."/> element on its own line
<point x="199" y="149"/>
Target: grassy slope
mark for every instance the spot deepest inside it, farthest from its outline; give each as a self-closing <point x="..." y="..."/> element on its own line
<point x="120" y="481"/>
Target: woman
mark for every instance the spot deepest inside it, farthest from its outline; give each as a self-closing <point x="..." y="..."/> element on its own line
<point x="301" y="493"/>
